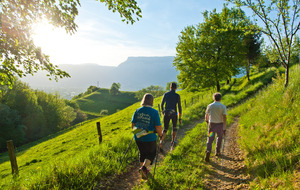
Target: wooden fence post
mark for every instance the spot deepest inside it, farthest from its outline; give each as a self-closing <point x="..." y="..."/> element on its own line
<point x="99" y="132"/>
<point x="12" y="157"/>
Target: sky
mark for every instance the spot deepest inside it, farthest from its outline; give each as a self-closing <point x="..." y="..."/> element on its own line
<point x="102" y="38"/>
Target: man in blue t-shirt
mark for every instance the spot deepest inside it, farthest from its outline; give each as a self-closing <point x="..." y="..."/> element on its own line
<point x="147" y="121"/>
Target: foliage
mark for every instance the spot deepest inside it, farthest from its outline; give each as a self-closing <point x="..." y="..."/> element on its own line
<point x="169" y="84"/>
<point x="281" y="20"/>
<point x="156" y="91"/>
<point x="18" y="53"/>
<point x="115" y="89"/>
<point x="252" y="43"/>
<point x="74" y="159"/>
<point x="11" y="127"/>
<point x="36" y="113"/>
<point x="104" y="112"/>
<point x="211" y="51"/>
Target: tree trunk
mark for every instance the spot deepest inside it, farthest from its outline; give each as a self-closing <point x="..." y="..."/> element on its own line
<point x="286" y="76"/>
<point x="218" y="86"/>
<point x="248" y="70"/>
<point x="228" y="81"/>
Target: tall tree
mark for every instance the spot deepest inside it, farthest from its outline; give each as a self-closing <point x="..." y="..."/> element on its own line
<point x="281" y="22"/>
<point x="114" y="89"/>
<point x="156" y="91"/>
<point x="210" y="52"/>
<point x="19" y="55"/>
<point x="252" y="43"/>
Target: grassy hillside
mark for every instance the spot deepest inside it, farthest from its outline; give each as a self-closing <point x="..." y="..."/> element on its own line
<point x="270" y="135"/>
<point x="185" y="167"/>
<point x="74" y="159"/>
<point x="92" y="104"/>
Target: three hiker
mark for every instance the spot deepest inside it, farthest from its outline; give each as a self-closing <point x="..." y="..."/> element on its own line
<point x="215" y="116"/>
<point x="171" y="99"/>
<point x="145" y="124"/>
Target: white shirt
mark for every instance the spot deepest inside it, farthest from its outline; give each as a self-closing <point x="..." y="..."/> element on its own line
<point x="216" y="110"/>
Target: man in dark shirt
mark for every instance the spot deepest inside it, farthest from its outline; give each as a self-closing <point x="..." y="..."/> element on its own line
<point x="171" y="99"/>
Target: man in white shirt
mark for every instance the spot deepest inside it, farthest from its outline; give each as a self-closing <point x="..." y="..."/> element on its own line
<point x="215" y="116"/>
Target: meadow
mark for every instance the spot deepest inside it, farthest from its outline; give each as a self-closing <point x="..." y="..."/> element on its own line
<point x="92" y="104"/>
<point x="74" y="159"/>
<point x="185" y="168"/>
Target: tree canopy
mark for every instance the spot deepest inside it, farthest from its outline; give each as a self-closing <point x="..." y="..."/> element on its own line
<point x="115" y="89"/>
<point x="281" y="23"/>
<point x="18" y="54"/>
<point x="211" y="51"/>
<point x="156" y="91"/>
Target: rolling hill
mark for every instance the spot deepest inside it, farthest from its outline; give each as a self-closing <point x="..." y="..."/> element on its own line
<point x="92" y="104"/>
<point x="74" y="159"/>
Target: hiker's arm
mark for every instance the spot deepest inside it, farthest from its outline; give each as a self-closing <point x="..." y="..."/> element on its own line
<point x="179" y="107"/>
<point x="206" y="117"/>
<point x="159" y="130"/>
<point x="132" y="125"/>
<point x="207" y="114"/>
<point x="162" y="104"/>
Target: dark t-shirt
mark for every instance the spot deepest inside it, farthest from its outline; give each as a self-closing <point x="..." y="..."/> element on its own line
<point x="171" y="99"/>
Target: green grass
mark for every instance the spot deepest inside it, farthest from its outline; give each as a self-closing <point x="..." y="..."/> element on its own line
<point x="185" y="167"/>
<point x="270" y="135"/>
<point x="73" y="159"/>
<point x="92" y="104"/>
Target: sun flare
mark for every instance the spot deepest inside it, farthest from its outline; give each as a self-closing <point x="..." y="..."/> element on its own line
<point x="47" y="36"/>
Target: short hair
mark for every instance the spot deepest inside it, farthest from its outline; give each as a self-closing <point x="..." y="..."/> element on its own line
<point x="173" y="85"/>
<point x="147" y="100"/>
<point x="217" y="96"/>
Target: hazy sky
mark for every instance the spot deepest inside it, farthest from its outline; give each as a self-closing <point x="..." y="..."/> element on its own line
<point x="102" y="37"/>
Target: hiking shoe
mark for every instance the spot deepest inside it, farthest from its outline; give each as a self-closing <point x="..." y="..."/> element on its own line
<point x="144" y="172"/>
<point x="218" y="154"/>
<point x="207" y="156"/>
<point x="173" y="143"/>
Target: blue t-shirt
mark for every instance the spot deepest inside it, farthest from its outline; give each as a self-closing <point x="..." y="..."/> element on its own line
<point x="146" y="118"/>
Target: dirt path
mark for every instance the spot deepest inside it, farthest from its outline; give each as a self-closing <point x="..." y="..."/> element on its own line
<point x="131" y="178"/>
<point x="229" y="173"/>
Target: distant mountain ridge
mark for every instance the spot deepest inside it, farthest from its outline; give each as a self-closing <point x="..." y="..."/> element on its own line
<point x="133" y="74"/>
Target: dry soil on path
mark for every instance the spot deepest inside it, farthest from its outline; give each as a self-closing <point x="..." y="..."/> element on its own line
<point x="225" y="172"/>
<point x="228" y="170"/>
<point x="127" y="180"/>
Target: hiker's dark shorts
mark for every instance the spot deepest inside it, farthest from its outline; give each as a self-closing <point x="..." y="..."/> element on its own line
<point x="147" y="150"/>
<point x="167" y="119"/>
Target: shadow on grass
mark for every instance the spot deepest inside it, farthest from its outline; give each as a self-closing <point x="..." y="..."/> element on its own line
<point x="154" y="184"/>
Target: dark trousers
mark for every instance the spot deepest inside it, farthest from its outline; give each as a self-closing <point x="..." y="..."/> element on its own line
<point x="214" y="128"/>
<point x="167" y="119"/>
<point x="147" y="150"/>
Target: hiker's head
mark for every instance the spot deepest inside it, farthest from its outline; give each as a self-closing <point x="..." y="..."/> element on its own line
<point x="173" y="86"/>
<point x="217" y="96"/>
<point x="147" y="100"/>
